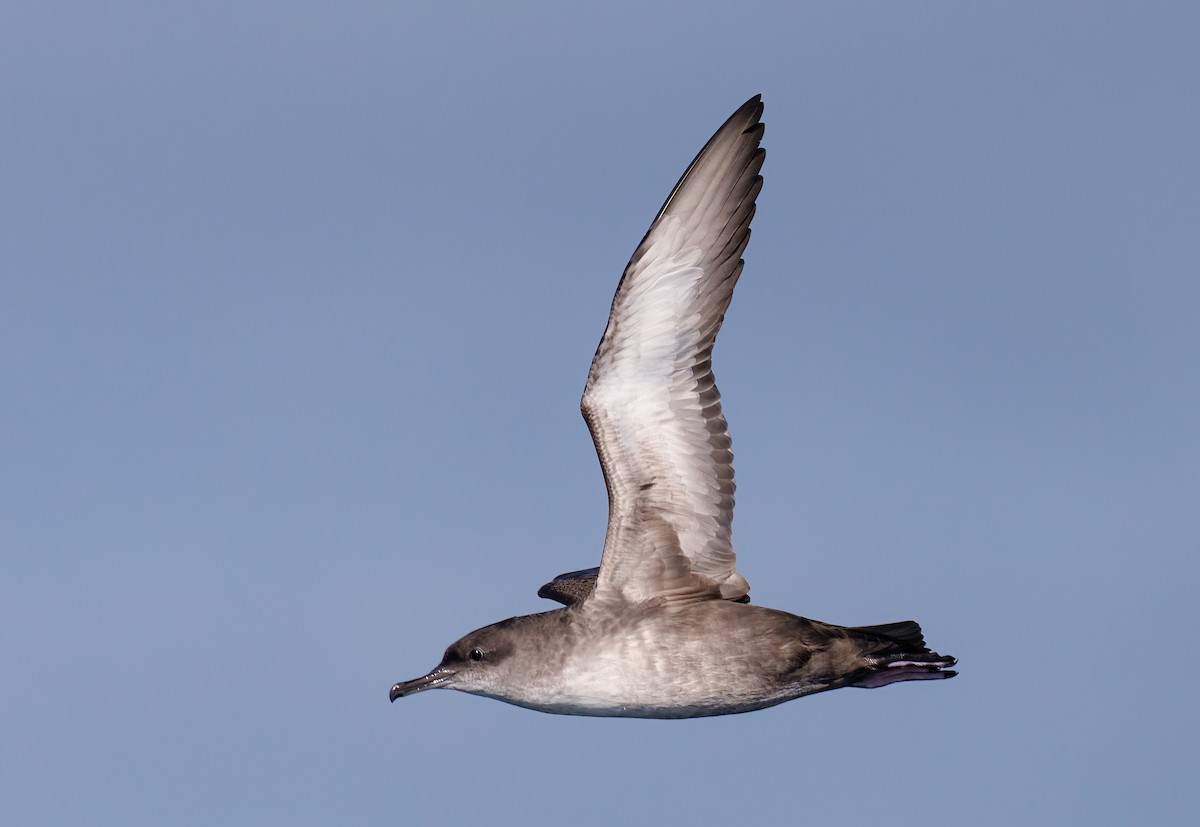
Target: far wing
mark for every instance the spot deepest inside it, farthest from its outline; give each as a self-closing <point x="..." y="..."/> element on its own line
<point x="577" y="586"/>
<point x="572" y="587"/>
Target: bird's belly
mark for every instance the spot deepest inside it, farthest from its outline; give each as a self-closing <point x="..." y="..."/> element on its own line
<point x="651" y="682"/>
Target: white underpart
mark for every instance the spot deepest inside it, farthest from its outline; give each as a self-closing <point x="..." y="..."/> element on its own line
<point x="650" y="399"/>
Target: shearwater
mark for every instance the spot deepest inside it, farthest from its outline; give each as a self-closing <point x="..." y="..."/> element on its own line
<point x="663" y="628"/>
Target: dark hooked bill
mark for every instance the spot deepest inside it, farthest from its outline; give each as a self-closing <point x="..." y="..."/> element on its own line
<point x="438" y="677"/>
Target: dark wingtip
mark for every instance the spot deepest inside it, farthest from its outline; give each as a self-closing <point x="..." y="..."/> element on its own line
<point x="755" y="105"/>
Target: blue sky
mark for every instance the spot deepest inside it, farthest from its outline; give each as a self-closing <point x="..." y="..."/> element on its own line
<point x="297" y="304"/>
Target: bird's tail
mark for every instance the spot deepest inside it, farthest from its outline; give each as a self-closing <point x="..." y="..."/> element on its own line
<point x="897" y="652"/>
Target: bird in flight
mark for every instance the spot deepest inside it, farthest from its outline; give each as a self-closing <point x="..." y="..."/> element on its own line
<point x="663" y="628"/>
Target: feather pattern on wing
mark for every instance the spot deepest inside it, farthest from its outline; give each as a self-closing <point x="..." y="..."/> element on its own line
<point x="650" y="401"/>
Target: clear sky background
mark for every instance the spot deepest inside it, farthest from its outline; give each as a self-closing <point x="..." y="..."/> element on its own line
<point x="297" y="305"/>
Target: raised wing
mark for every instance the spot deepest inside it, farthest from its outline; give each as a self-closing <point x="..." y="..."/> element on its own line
<point x="650" y="401"/>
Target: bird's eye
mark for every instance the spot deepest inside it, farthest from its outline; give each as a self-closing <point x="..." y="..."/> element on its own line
<point x="475" y="654"/>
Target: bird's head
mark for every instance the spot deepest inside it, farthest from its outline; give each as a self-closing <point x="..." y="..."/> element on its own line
<point x="483" y="661"/>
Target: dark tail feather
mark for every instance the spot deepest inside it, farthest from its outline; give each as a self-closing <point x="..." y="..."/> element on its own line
<point x="906" y="634"/>
<point x="897" y="652"/>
